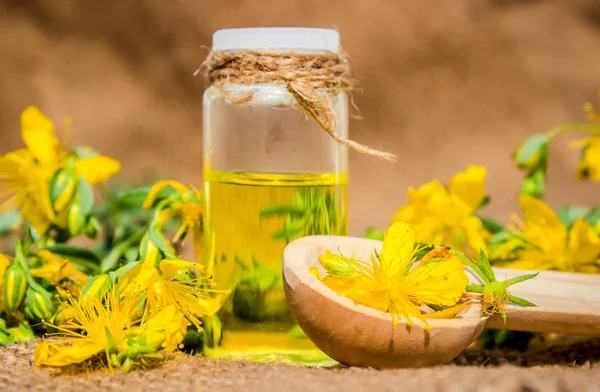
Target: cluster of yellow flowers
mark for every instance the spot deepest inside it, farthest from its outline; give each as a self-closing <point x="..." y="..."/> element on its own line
<point x="131" y="312"/>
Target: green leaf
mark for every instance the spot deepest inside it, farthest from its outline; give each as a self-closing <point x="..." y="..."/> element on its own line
<point x="86" y="259"/>
<point x="569" y="214"/>
<point x="133" y="198"/>
<point x="111" y="261"/>
<point x="535" y="183"/>
<point x="499" y="238"/>
<point x="86" y="197"/>
<point x="8" y="220"/>
<point x="282" y="209"/>
<point x="593" y="216"/>
<point x="518" y="279"/>
<point x="374" y="234"/>
<point x="491" y="225"/>
<point x="486" y="268"/>
<point x="159" y="240"/>
<point x="532" y="152"/>
<point x="520" y="301"/>
<point x="289" y="230"/>
<point x="475" y="267"/>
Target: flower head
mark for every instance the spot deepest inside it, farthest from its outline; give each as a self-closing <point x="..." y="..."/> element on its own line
<point x="589" y="165"/>
<point x="89" y="327"/>
<point x="26" y="174"/>
<point x="443" y="215"/>
<point x="542" y="242"/>
<point x="57" y="270"/>
<point x="167" y="284"/>
<point x="391" y="282"/>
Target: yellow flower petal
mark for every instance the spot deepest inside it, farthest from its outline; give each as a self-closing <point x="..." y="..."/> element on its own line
<point x="534" y="260"/>
<point x="159" y="186"/>
<point x="446" y="313"/>
<point x="397" y="249"/>
<point x="402" y="306"/>
<point x="138" y="278"/>
<point x="38" y="135"/>
<point x="469" y="186"/>
<point x="97" y="169"/>
<point x="53" y="354"/>
<point x="4" y="263"/>
<point x="169" y="268"/>
<point x="440" y="283"/>
<point x="584" y="243"/>
<point x="543" y="227"/>
<point x="589" y="167"/>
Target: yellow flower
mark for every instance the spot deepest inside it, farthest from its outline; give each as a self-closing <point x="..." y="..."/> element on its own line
<point x="97" y="324"/>
<point x="55" y="269"/>
<point x="110" y="323"/>
<point x="168" y="284"/>
<point x="589" y="165"/>
<point x="187" y="205"/>
<point x="25" y="174"/>
<point x="391" y="283"/>
<point x="541" y="241"/>
<point x="443" y="215"/>
<point x="166" y="329"/>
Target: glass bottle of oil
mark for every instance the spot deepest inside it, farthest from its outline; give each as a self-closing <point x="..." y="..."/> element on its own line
<point x="271" y="175"/>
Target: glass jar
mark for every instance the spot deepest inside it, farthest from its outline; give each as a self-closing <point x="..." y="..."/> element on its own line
<point x="271" y="175"/>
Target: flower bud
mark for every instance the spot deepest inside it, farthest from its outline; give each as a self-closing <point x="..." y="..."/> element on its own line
<point x="534" y="184"/>
<point x="40" y="303"/>
<point x="62" y="188"/>
<point x="531" y="153"/>
<point x="75" y="219"/>
<point x="15" y="285"/>
<point x="97" y="285"/>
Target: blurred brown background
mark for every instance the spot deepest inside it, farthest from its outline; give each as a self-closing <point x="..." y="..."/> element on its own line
<point x="445" y="83"/>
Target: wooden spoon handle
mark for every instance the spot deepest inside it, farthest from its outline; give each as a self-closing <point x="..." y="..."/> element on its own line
<point x="567" y="303"/>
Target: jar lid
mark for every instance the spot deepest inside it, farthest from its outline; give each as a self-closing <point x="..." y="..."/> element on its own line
<point x="277" y="38"/>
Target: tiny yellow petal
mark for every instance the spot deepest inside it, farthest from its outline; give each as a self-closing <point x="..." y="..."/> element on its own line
<point x="469" y="186"/>
<point x="38" y="135"/>
<point x="97" y="169"/>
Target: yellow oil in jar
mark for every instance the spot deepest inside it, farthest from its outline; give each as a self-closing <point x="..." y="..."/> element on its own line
<point x="249" y="219"/>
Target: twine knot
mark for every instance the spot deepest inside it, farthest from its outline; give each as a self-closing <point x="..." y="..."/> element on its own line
<point x="303" y="74"/>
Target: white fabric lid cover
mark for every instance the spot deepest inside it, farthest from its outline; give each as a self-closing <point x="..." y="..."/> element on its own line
<point x="277" y="38"/>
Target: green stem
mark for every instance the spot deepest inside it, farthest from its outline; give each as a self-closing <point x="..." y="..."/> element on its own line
<point x="112" y="259"/>
<point x="572" y="128"/>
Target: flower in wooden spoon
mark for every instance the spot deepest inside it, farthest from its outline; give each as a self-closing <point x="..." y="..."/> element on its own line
<point x="394" y="282"/>
<point x="494" y="294"/>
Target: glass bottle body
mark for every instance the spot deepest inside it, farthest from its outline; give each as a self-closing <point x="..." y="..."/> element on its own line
<point x="271" y="175"/>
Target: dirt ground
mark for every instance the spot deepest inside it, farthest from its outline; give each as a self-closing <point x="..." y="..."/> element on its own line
<point x="576" y="367"/>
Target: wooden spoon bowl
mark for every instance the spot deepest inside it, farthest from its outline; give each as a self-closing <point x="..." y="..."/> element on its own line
<point x="567" y="303"/>
<point x="357" y="335"/>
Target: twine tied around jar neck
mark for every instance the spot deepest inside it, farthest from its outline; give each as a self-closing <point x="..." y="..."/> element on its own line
<point x="301" y="73"/>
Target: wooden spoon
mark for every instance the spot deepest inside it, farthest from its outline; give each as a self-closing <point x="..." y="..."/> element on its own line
<point x="357" y="335"/>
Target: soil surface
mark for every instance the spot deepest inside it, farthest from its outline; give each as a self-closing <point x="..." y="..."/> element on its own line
<point x="576" y="367"/>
